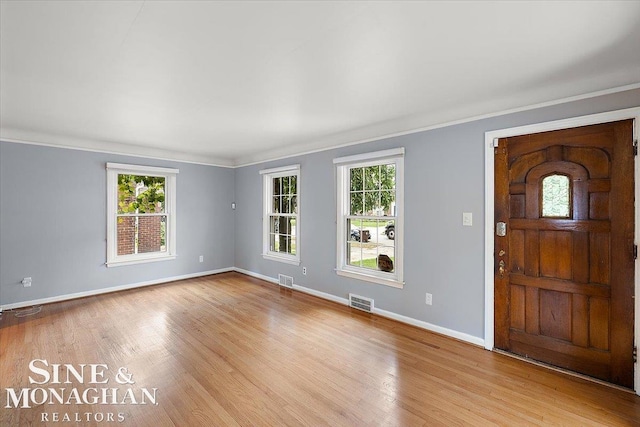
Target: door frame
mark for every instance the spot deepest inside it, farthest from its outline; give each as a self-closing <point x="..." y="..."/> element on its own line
<point x="490" y="138"/>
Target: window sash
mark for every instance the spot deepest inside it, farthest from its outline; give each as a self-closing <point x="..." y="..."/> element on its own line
<point x="269" y="212"/>
<point x="343" y="176"/>
<point x="113" y="171"/>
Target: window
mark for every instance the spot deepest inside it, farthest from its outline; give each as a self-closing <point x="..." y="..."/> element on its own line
<point x="370" y="219"/>
<point x="556" y="196"/>
<point x="141" y="205"/>
<point x="281" y="221"/>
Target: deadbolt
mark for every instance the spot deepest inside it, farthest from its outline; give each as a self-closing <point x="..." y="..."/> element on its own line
<point x="501" y="229"/>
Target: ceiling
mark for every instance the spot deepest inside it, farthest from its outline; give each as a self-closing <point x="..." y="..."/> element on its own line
<point x="232" y="83"/>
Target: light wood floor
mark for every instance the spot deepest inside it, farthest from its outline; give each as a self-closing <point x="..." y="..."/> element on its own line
<point x="232" y="350"/>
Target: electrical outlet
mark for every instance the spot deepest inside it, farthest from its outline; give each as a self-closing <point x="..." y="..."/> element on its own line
<point x="26" y="282"/>
<point x="201" y="258"/>
<point x="304" y="270"/>
<point x="429" y="299"/>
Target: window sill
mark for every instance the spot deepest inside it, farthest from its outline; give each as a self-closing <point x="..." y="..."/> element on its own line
<point x="120" y="263"/>
<point x="371" y="278"/>
<point x="285" y="260"/>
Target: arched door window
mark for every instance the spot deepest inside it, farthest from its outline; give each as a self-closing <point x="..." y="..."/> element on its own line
<point x="556" y="196"/>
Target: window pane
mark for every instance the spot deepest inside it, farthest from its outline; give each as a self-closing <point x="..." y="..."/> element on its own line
<point x="388" y="177"/>
<point x="285" y="204"/>
<point x="294" y="204"/>
<point x="388" y="230"/>
<point x="293" y="184"/>
<point x="355" y="179"/>
<point x="372" y="203"/>
<point x="386" y="259"/>
<point x="126" y="235"/>
<point x="282" y="230"/>
<point x="140" y="194"/>
<point x="276" y="186"/>
<point x="356" y="203"/>
<point x="277" y="200"/>
<point x="372" y="178"/>
<point x="555" y="196"/>
<point x="141" y="234"/>
<point x="369" y="245"/>
<point x="388" y="203"/>
<point x="150" y="234"/>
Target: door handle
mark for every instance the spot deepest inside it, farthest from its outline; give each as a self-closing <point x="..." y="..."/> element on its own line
<point x="501" y="268"/>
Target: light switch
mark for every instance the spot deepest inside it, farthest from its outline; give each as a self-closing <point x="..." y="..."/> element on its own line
<point x="467" y="219"/>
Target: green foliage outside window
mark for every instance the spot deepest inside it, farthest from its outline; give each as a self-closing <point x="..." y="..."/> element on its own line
<point x="140" y="194"/>
<point x="372" y="188"/>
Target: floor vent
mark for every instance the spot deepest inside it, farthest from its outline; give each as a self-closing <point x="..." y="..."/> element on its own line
<point x="286" y="281"/>
<point x="361" y="303"/>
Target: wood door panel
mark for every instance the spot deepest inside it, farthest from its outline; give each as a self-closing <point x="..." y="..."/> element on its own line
<point x="564" y="298"/>
<point x="580" y="272"/>
<point x="532" y="311"/>
<point x="595" y="160"/>
<point x="599" y="205"/>
<point x="532" y="253"/>
<point x="580" y="320"/>
<point x="516" y="205"/>
<point x="556" y="250"/>
<point x="516" y="249"/>
<point x="599" y="323"/>
<point x="522" y="165"/>
<point x="555" y="314"/>
<point x="598" y="137"/>
<point x="599" y="258"/>
<point x="517" y="307"/>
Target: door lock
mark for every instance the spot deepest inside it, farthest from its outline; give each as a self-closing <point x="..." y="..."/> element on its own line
<point x="501" y="229"/>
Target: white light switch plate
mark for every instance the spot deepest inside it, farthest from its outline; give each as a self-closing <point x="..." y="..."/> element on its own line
<point x="467" y="219"/>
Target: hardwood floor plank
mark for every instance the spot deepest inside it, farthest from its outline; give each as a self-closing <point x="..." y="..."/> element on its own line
<point x="231" y="350"/>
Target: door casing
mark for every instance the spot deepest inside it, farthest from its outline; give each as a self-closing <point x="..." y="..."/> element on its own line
<point x="490" y="139"/>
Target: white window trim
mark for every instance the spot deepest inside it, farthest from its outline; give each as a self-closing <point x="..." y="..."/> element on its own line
<point x="267" y="177"/>
<point x="395" y="279"/>
<point x="113" y="170"/>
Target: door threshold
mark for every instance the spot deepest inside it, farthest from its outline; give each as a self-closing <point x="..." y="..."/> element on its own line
<point x="563" y="371"/>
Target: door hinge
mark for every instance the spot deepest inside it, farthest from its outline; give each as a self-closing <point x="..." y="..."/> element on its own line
<point x="635" y="354"/>
<point x="635" y="251"/>
<point x="635" y="147"/>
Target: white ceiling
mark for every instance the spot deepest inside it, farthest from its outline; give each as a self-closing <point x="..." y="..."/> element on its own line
<point x="231" y="83"/>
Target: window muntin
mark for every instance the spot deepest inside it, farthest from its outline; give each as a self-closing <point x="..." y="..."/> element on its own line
<point x="141" y="214"/>
<point x="556" y="196"/>
<point x="369" y="217"/>
<point x="281" y="224"/>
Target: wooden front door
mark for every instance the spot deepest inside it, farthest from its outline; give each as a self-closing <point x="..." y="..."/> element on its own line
<point x="564" y="269"/>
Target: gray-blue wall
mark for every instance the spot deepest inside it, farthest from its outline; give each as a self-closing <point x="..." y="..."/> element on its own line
<point x="53" y="219"/>
<point x="53" y="222"/>
<point x="444" y="177"/>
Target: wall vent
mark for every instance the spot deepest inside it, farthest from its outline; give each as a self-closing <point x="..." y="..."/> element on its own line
<point x="361" y="303"/>
<point x="286" y="281"/>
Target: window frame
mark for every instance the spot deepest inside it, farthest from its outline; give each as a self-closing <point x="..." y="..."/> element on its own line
<point x="170" y="174"/>
<point x="343" y="165"/>
<point x="268" y="175"/>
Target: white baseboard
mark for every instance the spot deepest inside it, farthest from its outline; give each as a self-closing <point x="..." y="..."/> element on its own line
<point x="430" y="327"/>
<point x="384" y="313"/>
<point x="344" y="301"/>
<point x="111" y="289"/>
